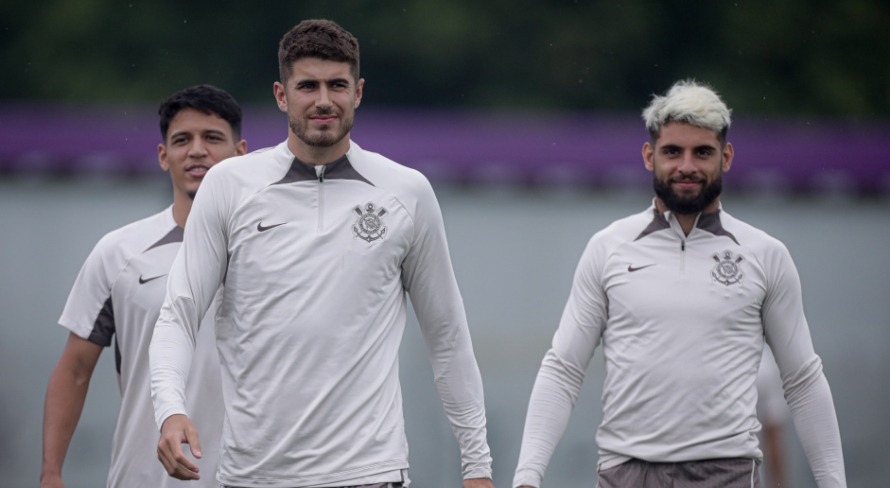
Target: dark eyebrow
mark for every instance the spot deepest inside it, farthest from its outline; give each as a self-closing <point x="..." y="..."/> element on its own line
<point x="203" y="133"/>
<point x="313" y="81"/>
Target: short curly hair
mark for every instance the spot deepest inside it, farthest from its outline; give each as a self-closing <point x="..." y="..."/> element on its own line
<point x="690" y="102"/>
<point x="317" y="38"/>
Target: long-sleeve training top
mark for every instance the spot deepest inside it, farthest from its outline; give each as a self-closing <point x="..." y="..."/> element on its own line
<point x="682" y="321"/>
<point x="317" y="262"/>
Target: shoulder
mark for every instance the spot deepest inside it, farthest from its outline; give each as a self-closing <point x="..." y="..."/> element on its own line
<point x="606" y="242"/>
<point x="751" y="237"/>
<point x="386" y="173"/>
<point x="116" y="249"/>
<point x="408" y="186"/>
<point x="254" y="168"/>
<point x="135" y="237"/>
<point x="623" y="230"/>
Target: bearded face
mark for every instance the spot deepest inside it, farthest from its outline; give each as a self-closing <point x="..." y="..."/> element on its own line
<point x="687" y="202"/>
<point x="687" y="163"/>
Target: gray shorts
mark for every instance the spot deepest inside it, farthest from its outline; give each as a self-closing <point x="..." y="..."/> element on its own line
<point x="708" y="473"/>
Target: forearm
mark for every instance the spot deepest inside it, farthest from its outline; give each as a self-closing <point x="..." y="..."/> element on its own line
<point x="65" y="396"/>
<point x="815" y="420"/>
<point x="550" y="407"/>
<point x="459" y="383"/>
<point x="170" y="355"/>
<point x="773" y="454"/>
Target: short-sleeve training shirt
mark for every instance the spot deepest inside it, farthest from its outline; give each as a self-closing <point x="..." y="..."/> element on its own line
<point x="116" y="300"/>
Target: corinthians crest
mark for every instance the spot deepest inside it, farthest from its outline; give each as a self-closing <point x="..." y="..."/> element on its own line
<point x="369" y="226"/>
<point x="727" y="269"/>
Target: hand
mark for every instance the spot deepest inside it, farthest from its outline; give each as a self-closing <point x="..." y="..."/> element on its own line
<point x="478" y="483"/>
<point x="176" y="431"/>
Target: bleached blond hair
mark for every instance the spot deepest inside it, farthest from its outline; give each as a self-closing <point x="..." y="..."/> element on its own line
<point x="690" y="102"/>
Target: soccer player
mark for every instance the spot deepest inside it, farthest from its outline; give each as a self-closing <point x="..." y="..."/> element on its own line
<point x="117" y="298"/>
<point x="318" y="243"/>
<point x="682" y="297"/>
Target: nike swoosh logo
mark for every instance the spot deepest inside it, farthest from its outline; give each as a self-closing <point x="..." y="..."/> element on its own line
<point x="631" y="268"/>
<point x="263" y="228"/>
<point x="143" y="281"/>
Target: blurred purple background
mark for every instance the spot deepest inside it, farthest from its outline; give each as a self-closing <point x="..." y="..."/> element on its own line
<point x="591" y="150"/>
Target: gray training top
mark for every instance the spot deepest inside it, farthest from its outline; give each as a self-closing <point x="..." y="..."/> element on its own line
<point x="682" y="320"/>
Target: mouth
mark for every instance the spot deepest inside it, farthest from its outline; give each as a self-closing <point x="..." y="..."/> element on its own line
<point x="687" y="184"/>
<point x="197" y="170"/>
<point x="323" y="119"/>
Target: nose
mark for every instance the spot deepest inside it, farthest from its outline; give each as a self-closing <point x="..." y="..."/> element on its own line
<point x="197" y="149"/>
<point x="687" y="164"/>
<point x="324" y="98"/>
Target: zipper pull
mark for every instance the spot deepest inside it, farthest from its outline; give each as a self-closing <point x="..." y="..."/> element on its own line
<point x="319" y="171"/>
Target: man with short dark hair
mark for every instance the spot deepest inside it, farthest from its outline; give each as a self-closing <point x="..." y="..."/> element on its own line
<point x="318" y="243"/>
<point x="682" y="297"/>
<point x="117" y="298"/>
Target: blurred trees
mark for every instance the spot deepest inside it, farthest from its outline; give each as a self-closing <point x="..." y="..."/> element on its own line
<point x="791" y="58"/>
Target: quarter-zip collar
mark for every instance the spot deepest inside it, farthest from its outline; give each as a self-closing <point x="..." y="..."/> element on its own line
<point x="709" y="222"/>
<point x="340" y="169"/>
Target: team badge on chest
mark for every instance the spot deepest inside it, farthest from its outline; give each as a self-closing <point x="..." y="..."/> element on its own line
<point x="369" y="225"/>
<point x="727" y="270"/>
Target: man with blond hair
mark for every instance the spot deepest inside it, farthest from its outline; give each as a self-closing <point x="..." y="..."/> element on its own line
<point x="682" y="297"/>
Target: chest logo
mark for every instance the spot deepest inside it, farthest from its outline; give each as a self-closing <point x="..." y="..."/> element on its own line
<point x="369" y="225"/>
<point x="727" y="270"/>
<point x="143" y="280"/>
<point x="263" y="228"/>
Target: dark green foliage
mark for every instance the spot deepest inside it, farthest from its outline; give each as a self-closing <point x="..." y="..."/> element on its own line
<point x="791" y="58"/>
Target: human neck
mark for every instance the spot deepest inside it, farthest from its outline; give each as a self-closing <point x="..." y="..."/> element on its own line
<point x="182" y="205"/>
<point x="687" y="221"/>
<point x="315" y="154"/>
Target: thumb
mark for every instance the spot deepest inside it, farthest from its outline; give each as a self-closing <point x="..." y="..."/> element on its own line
<point x="191" y="437"/>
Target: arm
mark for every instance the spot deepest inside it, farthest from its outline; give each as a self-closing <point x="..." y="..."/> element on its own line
<point x="772" y="411"/>
<point x="806" y="388"/>
<point x="774" y="453"/>
<point x="562" y="371"/>
<point x="65" y="397"/>
<point x="194" y="278"/>
<point x="428" y="277"/>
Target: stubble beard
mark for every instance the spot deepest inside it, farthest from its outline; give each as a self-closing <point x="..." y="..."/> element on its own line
<point x="322" y="138"/>
<point x="688" y="205"/>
